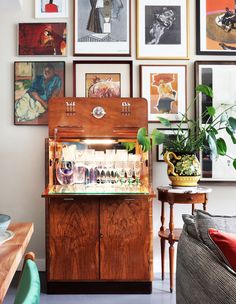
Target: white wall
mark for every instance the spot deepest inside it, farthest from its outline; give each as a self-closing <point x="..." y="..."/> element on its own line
<point x="22" y="147"/>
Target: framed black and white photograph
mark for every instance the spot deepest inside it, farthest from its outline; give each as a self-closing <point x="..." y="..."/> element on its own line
<point x="220" y="76"/>
<point x="162" y="29"/>
<point x="172" y="134"/>
<point x="102" y="28"/>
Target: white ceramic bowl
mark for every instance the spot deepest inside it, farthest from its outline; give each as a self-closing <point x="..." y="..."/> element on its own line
<point x="4" y="222"/>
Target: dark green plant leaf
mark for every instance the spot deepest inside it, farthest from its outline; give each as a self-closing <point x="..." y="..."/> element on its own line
<point x="129" y="146"/>
<point x="211" y="111"/>
<point x="201" y="88"/>
<point x="234" y="163"/>
<point x="212" y="144"/>
<point x="233" y="138"/>
<point x="143" y="139"/>
<point x="221" y="146"/>
<point x="165" y="122"/>
<point x="213" y="130"/>
<point x="157" y="137"/>
<point x="223" y="118"/>
<point x="232" y="123"/>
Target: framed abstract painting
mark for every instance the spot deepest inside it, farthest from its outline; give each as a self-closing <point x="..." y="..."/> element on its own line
<point x="42" y="39"/>
<point x="51" y="9"/>
<point x="219" y="75"/>
<point x="103" y="79"/>
<point x="162" y="29"/>
<point x="216" y="27"/>
<point x="34" y="84"/>
<point x="164" y="87"/>
<point x="102" y="28"/>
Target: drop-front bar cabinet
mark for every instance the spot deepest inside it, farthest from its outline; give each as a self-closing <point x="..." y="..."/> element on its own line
<point x="98" y="197"/>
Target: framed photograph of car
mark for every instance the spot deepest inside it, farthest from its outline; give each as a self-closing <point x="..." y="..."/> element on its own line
<point x="51" y="8"/>
<point x="216" y="27"/>
<point x="102" y="28"/>
<point x="219" y="75"/>
<point x="162" y="29"/>
<point x="164" y="87"/>
<point x="103" y="78"/>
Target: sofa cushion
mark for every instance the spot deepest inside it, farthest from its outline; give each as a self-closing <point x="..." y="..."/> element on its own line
<point x="190" y="225"/>
<point x="226" y="245"/>
<point x="204" y="221"/>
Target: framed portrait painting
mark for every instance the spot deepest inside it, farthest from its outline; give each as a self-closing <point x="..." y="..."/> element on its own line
<point x="216" y="27"/>
<point x="219" y="75"/>
<point x="103" y="79"/>
<point x="164" y="87"/>
<point x="34" y="84"/>
<point x="102" y="28"/>
<point x="51" y="8"/>
<point x="42" y="39"/>
<point x="162" y="29"/>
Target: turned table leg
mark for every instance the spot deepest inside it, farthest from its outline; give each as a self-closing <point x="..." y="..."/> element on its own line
<point x="162" y="228"/>
<point x="171" y="248"/>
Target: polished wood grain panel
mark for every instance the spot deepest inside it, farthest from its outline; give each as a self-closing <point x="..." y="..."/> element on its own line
<point x="120" y="121"/>
<point x="72" y="239"/>
<point x="126" y="239"/>
<point x="182" y="198"/>
<point x="11" y="253"/>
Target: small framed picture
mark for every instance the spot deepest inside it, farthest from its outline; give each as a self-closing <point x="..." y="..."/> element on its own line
<point x="42" y="39"/>
<point x="162" y="29"/>
<point x="172" y="134"/>
<point x="219" y="75"/>
<point x="103" y="79"/>
<point x="216" y="27"/>
<point x="51" y="8"/>
<point x="102" y="28"/>
<point x="164" y="87"/>
<point x="34" y="84"/>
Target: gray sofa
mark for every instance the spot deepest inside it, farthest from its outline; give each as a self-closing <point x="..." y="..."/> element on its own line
<point x="203" y="276"/>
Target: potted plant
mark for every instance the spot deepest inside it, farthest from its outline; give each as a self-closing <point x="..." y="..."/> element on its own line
<point x="180" y="152"/>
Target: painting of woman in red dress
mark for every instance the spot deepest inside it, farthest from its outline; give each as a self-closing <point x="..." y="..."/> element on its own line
<point x="51" y="7"/>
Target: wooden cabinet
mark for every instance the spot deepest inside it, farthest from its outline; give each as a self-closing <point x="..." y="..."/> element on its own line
<point x="106" y="241"/>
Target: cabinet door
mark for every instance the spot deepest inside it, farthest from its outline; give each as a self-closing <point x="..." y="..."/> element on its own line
<point x="126" y="239"/>
<point x="73" y="247"/>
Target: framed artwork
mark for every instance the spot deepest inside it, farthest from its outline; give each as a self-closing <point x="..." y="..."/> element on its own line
<point x="220" y="76"/>
<point x="162" y="29"/>
<point x="34" y="84"/>
<point x="42" y="39"/>
<point x="103" y="78"/>
<point x="161" y="148"/>
<point x="164" y="87"/>
<point x="102" y="28"/>
<point x="216" y="27"/>
<point x="51" y="9"/>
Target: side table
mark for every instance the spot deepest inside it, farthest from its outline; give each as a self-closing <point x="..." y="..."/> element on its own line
<point x="170" y="195"/>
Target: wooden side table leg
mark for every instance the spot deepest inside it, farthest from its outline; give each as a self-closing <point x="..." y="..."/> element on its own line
<point x="162" y="228"/>
<point x="171" y="248"/>
<point x="193" y="207"/>
<point x="206" y="201"/>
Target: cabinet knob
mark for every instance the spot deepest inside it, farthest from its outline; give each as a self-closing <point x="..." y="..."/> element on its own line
<point x="101" y="235"/>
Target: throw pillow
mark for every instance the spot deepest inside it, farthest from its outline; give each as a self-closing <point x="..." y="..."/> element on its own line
<point x="226" y="244"/>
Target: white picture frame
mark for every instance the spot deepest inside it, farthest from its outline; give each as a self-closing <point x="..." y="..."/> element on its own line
<point x="60" y="5"/>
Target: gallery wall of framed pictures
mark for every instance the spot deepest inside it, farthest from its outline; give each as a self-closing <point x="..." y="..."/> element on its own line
<point x="113" y="42"/>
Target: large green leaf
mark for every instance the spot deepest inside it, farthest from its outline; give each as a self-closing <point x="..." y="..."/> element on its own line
<point x="221" y="146"/>
<point x="232" y="123"/>
<point x="201" y="88"/>
<point x="157" y="137"/>
<point x="129" y="146"/>
<point x="233" y="138"/>
<point x="223" y="118"/>
<point x="165" y="122"/>
<point x="234" y="163"/>
<point x="211" y="111"/>
<point x="212" y="144"/>
<point x="143" y="139"/>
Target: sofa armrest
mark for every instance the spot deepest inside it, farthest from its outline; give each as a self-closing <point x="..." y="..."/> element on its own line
<point x="200" y="276"/>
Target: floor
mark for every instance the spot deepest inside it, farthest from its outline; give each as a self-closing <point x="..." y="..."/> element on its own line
<point x="160" y="294"/>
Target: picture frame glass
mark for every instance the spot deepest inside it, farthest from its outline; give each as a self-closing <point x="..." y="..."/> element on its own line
<point x="102" y="27"/>
<point x="219" y="76"/>
<point x="164" y="87"/>
<point x="31" y="95"/>
<point x="216" y="27"/>
<point x="102" y="79"/>
<point x="162" y="29"/>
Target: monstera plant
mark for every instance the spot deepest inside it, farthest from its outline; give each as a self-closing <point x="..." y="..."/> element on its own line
<point x="181" y="149"/>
